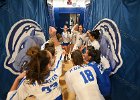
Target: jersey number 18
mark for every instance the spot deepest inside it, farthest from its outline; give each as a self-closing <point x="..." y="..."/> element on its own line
<point x="87" y="76"/>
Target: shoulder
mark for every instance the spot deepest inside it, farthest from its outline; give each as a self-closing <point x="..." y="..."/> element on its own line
<point x="69" y="71"/>
<point x="78" y="68"/>
<point x="73" y="70"/>
<point x="95" y="42"/>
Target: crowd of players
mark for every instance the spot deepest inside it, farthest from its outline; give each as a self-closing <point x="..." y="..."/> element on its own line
<point x="88" y="79"/>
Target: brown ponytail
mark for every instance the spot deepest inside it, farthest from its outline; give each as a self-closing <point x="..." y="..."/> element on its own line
<point x="37" y="65"/>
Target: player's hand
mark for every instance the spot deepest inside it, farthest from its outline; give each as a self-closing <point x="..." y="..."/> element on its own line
<point x="21" y="75"/>
<point x="52" y="31"/>
<point x="105" y="62"/>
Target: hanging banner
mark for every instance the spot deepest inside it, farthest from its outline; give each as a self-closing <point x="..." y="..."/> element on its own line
<point x="24" y="34"/>
<point x="110" y="42"/>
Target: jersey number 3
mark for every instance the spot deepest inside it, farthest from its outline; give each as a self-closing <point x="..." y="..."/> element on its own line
<point x="87" y="76"/>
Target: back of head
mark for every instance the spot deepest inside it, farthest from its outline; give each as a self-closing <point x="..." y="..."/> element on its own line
<point x="50" y="47"/>
<point x="95" y="54"/>
<point x="77" y="57"/>
<point x="96" y="34"/>
<point x="37" y="69"/>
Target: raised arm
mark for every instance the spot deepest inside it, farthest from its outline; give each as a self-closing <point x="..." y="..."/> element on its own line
<point x="75" y="28"/>
<point x="52" y="32"/>
<point x="17" y="80"/>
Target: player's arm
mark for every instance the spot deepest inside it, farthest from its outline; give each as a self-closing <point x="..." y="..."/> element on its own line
<point x="58" y="62"/>
<point x="17" y="80"/>
<point x="74" y="29"/>
<point x="53" y="37"/>
<point x="58" y="66"/>
<point x="78" y="43"/>
<point x="70" y="36"/>
<point x="12" y="94"/>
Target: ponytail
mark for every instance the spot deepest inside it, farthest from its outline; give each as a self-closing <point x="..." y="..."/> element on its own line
<point x="37" y="65"/>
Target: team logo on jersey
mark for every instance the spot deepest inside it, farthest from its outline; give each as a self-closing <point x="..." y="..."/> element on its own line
<point x="110" y="42"/>
<point x="22" y="35"/>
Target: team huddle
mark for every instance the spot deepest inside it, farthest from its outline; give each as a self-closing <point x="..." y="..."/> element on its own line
<point x="88" y="79"/>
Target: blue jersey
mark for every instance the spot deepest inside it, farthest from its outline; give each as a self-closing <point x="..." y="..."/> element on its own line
<point x="102" y="78"/>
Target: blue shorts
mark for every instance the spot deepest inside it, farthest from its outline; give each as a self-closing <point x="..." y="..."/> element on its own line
<point x="65" y="44"/>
